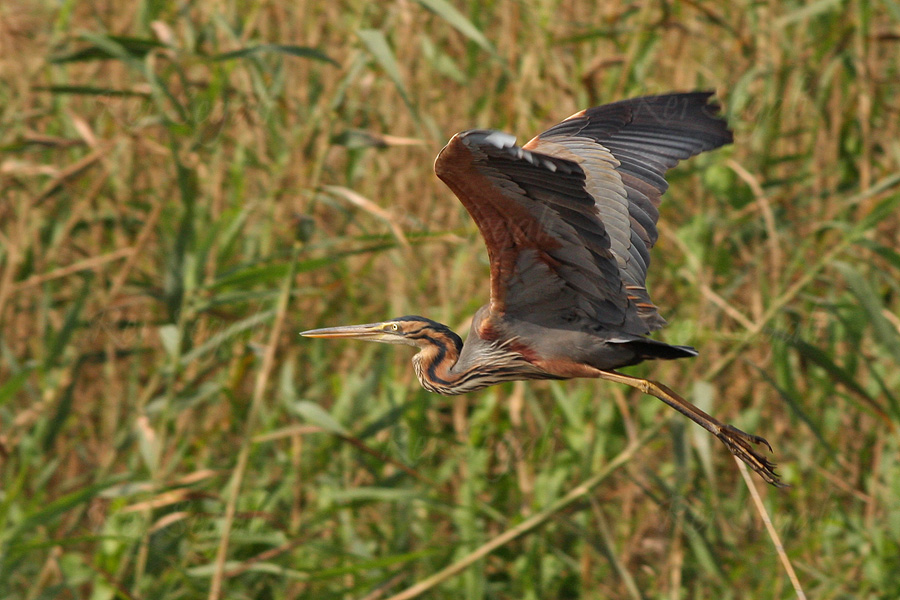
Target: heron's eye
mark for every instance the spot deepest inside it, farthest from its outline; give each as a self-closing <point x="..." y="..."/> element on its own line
<point x="395" y="327"/>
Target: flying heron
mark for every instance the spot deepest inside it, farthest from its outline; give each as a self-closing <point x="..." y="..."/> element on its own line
<point x="569" y="220"/>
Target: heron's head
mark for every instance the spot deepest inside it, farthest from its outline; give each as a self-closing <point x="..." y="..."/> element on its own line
<point x="410" y="330"/>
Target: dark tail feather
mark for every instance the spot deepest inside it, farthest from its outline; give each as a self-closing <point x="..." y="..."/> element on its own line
<point x="649" y="349"/>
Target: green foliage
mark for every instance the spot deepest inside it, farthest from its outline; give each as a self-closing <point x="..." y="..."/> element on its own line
<point x="183" y="188"/>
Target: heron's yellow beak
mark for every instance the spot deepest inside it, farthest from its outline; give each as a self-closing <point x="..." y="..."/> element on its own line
<point x="373" y="332"/>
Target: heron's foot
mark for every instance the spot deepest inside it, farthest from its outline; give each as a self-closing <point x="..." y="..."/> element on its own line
<point x="740" y="444"/>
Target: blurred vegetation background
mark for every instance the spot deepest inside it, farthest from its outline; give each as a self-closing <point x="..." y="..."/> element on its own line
<point x="186" y="185"/>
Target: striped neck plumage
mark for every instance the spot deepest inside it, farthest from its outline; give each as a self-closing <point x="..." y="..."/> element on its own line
<point x="437" y="363"/>
<point x="444" y="367"/>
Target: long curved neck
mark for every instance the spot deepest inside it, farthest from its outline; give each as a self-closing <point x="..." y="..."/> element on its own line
<point x="439" y="351"/>
<point x="445" y="367"/>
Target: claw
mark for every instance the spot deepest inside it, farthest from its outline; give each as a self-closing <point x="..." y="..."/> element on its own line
<point x="756" y="439"/>
<point x="738" y="442"/>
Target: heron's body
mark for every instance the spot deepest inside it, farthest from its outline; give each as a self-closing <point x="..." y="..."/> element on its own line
<point x="568" y="220"/>
<point x="555" y="352"/>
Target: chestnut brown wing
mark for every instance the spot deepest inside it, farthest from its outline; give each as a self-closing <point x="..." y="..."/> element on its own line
<point x="569" y="218"/>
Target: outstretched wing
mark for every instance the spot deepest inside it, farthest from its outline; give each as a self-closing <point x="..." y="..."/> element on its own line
<point x="569" y="218"/>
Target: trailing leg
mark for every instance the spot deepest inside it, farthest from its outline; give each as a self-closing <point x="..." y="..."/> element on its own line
<point x="738" y="442"/>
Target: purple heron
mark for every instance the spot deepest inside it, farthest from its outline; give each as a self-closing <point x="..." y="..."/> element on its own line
<point x="569" y="220"/>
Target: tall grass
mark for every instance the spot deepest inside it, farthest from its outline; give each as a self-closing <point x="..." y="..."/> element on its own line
<point x="184" y="187"/>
